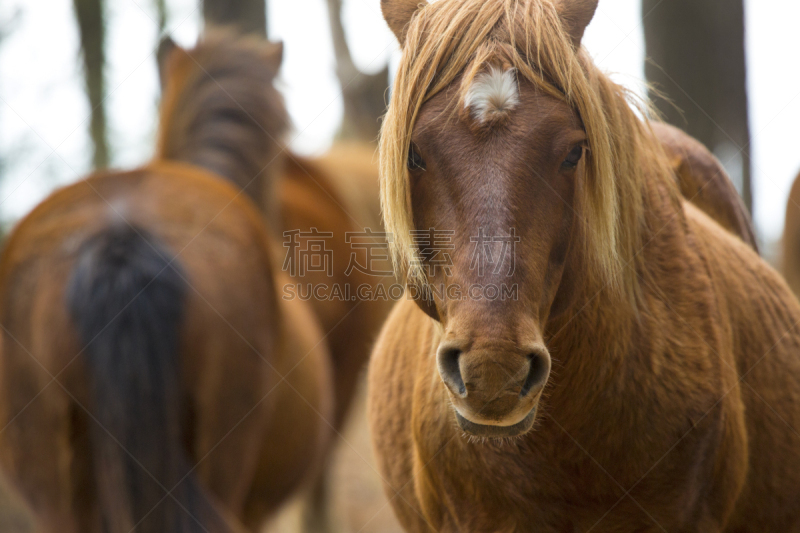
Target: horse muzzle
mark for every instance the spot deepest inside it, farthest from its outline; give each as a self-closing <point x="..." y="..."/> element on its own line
<point x="495" y="390"/>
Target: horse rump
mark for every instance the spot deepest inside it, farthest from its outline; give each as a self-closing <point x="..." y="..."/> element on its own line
<point x="126" y="298"/>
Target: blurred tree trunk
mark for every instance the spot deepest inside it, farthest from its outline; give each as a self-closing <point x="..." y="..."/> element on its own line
<point x="696" y="57"/>
<point x="249" y="16"/>
<point x="161" y="11"/>
<point x="363" y="94"/>
<point x="89" y="14"/>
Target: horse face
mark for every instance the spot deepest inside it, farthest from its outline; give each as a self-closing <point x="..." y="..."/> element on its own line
<point x="492" y="191"/>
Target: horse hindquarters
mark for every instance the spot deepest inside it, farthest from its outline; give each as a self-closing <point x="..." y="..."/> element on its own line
<point x="127" y="302"/>
<point x="298" y="435"/>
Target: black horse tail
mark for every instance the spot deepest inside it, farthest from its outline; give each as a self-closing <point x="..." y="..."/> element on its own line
<point x="127" y="300"/>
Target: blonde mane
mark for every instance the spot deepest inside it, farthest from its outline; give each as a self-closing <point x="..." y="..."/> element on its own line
<point x="450" y="37"/>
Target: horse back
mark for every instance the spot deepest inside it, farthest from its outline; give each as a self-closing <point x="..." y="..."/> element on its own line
<point x="704" y="182"/>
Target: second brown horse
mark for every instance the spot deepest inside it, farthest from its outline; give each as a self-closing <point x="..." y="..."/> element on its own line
<point x="154" y="376"/>
<point x="643" y="376"/>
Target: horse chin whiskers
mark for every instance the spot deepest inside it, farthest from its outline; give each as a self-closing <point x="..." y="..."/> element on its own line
<point x="509" y="443"/>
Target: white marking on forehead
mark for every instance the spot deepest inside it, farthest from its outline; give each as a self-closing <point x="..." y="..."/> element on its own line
<point x="492" y="93"/>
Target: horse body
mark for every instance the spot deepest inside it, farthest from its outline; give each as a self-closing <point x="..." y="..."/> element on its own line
<point x="768" y="375"/>
<point x="575" y="406"/>
<point x="353" y="170"/>
<point x="665" y="420"/>
<point x="250" y="392"/>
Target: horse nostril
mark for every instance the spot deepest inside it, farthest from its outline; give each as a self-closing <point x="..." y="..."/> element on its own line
<point x="450" y="371"/>
<point x="538" y="372"/>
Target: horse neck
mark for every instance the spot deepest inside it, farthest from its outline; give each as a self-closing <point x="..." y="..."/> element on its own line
<point x="227" y="118"/>
<point x="599" y="337"/>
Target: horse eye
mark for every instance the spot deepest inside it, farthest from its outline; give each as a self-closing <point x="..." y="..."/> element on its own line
<point x="573" y="158"/>
<point x="415" y="161"/>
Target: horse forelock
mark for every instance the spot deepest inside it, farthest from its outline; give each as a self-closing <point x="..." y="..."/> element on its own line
<point x="490" y="44"/>
<point x="493" y="95"/>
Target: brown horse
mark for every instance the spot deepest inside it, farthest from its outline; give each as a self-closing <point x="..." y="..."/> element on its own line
<point x="297" y="195"/>
<point x="790" y="243"/>
<point x="641" y="372"/>
<point x="153" y="377"/>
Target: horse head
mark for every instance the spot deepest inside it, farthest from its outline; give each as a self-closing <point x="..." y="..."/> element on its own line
<point x="496" y="170"/>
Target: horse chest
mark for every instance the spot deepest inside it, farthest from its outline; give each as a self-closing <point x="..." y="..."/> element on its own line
<point x="548" y="481"/>
<point x="508" y="487"/>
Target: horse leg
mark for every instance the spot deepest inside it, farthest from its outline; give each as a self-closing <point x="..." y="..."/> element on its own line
<point x="318" y="514"/>
<point x="37" y="457"/>
<point x="317" y="510"/>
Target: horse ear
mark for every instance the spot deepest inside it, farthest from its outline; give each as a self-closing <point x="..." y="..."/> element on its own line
<point x="165" y="49"/>
<point x="575" y="16"/>
<point x="398" y="13"/>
